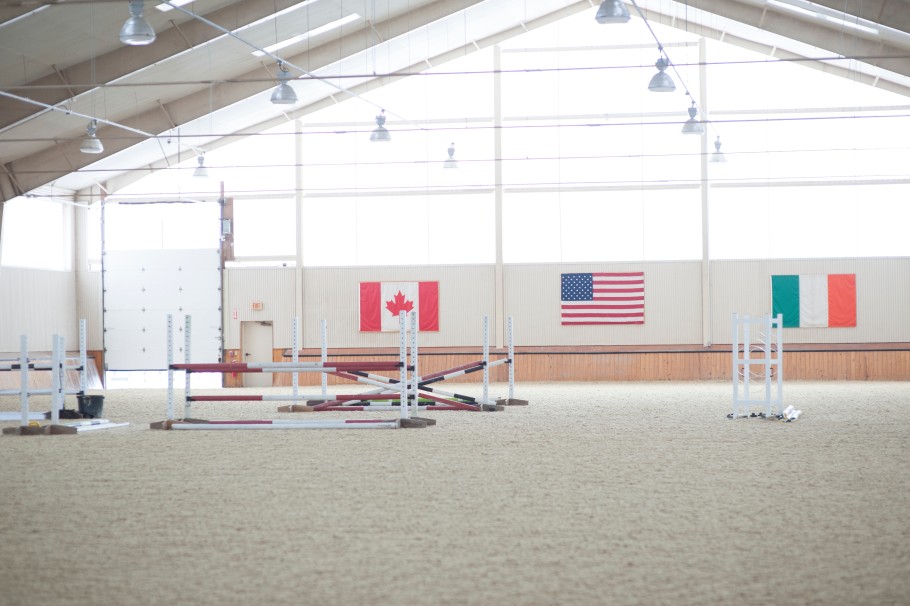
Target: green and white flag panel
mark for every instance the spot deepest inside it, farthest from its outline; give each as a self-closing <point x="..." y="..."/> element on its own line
<point x="815" y="301"/>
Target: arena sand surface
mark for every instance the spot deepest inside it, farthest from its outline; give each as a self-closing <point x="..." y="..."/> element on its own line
<point x="607" y="493"/>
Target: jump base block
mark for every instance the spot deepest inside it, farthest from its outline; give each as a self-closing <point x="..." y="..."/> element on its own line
<point x="511" y="402"/>
<point x="413" y="423"/>
<point x="28" y="430"/>
<point x="424" y="419"/>
<point x="492" y="407"/>
<point x="296" y="408"/>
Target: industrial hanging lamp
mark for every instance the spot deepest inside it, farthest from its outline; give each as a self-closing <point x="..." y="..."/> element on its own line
<point x="92" y="144"/>
<point x="717" y="156"/>
<point x="612" y="11"/>
<point x="283" y="94"/>
<point x="450" y="161"/>
<point x="693" y="126"/>
<point x="136" y="31"/>
<point x="380" y="134"/>
<point x="661" y="82"/>
<point x="201" y="171"/>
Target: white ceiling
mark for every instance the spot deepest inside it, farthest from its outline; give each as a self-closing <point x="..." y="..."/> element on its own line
<point x="62" y="63"/>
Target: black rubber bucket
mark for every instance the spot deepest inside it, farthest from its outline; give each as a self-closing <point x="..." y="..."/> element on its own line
<point x="91" y="407"/>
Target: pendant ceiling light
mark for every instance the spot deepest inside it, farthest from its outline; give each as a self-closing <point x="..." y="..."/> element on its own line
<point x="137" y="31"/>
<point x="450" y="161"/>
<point x="92" y="144"/>
<point x="201" y="171"/>
<point x="612" y="11"/>
<point x="380" y="134"/>
<point x="717" y="156"/>
<point x="661" y="82"/>
<point x="283" y="94"/>
<point x="692" y="125"/>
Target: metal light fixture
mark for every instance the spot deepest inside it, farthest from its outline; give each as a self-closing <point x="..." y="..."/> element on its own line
<point x="92" y="144"/>
<point x="283" y="94"/>
<point x="137" y="31"/>
<point x="450" y="161"/>
<point x="201" y="171"/>
<point x="380" y="134"/>
<point x="612" y="11"/>
<point x="693" y="126"/>
<point x="717" y="156"/>
<point x="661" y="82"/>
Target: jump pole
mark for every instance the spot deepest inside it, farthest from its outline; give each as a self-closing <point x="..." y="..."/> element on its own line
<point x="404" y="420"/>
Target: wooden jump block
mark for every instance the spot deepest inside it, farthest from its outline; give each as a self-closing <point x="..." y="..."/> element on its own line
<point x="296" y="408"/>
<point x="492" y="407"/>
<point x="413" y="423"/>
<point x="167" y="424"/>
<point x="28" y="430"/>
<point x="424" y="419"/>
<point x="511" y="402"/>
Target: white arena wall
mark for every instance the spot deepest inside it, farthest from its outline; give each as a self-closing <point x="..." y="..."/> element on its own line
<point x="40" y="303"/>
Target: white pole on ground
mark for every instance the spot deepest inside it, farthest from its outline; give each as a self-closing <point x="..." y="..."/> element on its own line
<point x="325" y="356"/>
<point x="295" y="377"/>
<point x="170" y="367"/>
<point x="511" y="360"/>
<point x="23" y="378"/>
<point x="404" y="412"/>
<point x="56" y="369"/>
<point x="83" y="358"/>
<point x="486" y="357"/>
<point x="415" y="371"/>
<point x="188" y="324"/>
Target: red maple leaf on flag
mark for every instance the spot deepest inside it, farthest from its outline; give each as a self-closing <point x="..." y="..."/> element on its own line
<point x="399" y="303"/>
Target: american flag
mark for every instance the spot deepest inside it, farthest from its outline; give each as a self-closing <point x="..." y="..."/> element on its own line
<point x="603" y="298"/>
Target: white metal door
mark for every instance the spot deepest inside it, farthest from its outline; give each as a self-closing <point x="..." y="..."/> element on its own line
<point x="256" y="346"/>
<point x="141" y="287"/>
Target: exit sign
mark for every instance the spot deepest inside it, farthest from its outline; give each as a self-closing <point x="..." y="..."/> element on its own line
<point x="256" y="305"/>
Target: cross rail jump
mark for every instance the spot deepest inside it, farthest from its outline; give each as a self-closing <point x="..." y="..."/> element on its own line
<point x="433" y="398"/>
<point x="404" y="418"/>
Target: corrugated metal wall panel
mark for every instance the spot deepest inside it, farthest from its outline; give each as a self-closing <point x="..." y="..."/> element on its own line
<point x="466" y="294"/>
<point x="882" y="297"/>
<point x="274" y="287"/>
<point x="39" y="304"/>
<point x="672" y="305"/>
<point x="88" y="306"/>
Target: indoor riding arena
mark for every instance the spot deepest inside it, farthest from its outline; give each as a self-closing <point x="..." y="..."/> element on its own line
<point x="618" y="288"/>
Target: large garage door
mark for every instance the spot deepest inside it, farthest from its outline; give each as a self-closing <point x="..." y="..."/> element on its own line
<point x="141" y="286"/>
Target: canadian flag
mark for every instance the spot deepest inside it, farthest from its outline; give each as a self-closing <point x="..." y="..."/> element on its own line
<point x="380" y="303"/>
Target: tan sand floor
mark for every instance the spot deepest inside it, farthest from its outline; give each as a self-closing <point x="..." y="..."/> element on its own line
<point x="619" y="494"/>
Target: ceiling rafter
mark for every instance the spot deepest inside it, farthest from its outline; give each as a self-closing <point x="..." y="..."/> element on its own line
<point x="45" y="165"/>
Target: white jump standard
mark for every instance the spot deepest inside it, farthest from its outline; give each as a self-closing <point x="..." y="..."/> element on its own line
<point x="766" y="366"/>
<point x="29" y="363"/>
<point x="404" y="418"/>
<point x="28" y="423"/>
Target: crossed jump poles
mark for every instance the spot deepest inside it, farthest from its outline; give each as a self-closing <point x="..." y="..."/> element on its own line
<point x="419" y="389"/>
<point x="405" y="417"/>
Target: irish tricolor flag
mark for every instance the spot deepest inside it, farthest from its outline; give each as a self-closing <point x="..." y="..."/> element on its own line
<point x="815" y="301"/>
<point x="380" y="303"/>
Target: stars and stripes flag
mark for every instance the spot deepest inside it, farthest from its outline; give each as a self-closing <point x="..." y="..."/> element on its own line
<point x="603" y="298"/>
